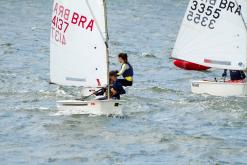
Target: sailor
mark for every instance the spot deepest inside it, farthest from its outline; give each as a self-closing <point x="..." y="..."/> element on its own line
<point x="235" y="75"/>
<point x="126" y="70"/>
<point x="116" y="88"/>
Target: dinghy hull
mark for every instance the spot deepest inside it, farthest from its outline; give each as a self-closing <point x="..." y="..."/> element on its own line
<point x="93" y="107"/>
<point x="223" y="89"/>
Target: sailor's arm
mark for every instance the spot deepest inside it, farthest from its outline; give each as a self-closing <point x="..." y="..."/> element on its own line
<point x="224" y="75"/>
<point x="100" y="92"/>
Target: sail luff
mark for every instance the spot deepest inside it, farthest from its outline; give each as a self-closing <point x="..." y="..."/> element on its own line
<point x="245" y="25"/>
<point x="241" y="13"/>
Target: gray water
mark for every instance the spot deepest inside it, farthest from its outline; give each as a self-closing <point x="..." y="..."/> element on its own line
<point x="164" y="123"/>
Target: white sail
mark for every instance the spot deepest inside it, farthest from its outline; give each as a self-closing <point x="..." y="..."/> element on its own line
<point x="214" y="34"/>
<point x="78" y="47"/>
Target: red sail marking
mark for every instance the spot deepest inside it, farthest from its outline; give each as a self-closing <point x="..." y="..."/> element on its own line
<point x="98" y="81"/>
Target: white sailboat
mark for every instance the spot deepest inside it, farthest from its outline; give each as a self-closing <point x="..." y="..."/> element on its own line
<point x="214" y="34"/>
<point x="79" y="54"/>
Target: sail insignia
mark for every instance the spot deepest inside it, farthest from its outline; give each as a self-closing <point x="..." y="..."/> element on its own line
<point x="217" y="62"/>
<point x="75" y="79"/>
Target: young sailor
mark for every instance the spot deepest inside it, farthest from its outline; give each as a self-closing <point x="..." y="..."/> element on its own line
<point x="235" y="75"/>
<point x="126" y="70"/>
<point x="116" y="88"/>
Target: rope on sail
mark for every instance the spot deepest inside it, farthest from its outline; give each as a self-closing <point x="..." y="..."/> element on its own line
<point x="97" y="24"/>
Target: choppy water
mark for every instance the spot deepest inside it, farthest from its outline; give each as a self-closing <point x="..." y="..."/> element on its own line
<point x="164" y="123"/>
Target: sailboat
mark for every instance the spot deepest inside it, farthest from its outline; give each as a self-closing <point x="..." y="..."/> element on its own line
<point x="214" y="34"/>
<point x="79" y="54"/>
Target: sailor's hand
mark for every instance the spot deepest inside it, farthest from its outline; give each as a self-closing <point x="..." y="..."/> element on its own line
<point x="224" y="74"/>
<point x="116" y="72"/>
<point x="104" y="89"/>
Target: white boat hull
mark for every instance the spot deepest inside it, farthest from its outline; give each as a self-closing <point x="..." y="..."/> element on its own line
<point x="93" y="107"/>
<point x="224" y="89"/>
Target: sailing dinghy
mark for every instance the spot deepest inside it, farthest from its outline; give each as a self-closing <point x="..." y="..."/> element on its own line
<point x="79" y="54"/>
<point x="214" y="34"/>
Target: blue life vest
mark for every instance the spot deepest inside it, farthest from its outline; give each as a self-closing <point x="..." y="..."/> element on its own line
<point x="129" y="72"/>
<point x="237" y="75"/>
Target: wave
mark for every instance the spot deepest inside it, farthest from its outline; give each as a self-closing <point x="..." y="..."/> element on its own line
<point x="148" y="55"/>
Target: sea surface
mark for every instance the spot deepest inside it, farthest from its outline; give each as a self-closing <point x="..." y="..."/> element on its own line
<point x="164" y="122"/>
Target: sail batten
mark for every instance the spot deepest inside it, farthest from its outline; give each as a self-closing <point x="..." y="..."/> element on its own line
<point x="213" y="34"/>
<point x="78" y="51"/>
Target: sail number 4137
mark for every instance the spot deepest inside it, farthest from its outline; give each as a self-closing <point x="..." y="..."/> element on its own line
<point x="60" y="24"/>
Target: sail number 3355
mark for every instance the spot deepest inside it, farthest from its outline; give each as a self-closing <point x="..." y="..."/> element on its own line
<point x="203" y="14"/>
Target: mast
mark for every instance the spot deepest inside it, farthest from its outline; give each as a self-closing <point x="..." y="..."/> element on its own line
<point x="107" y="50"/>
